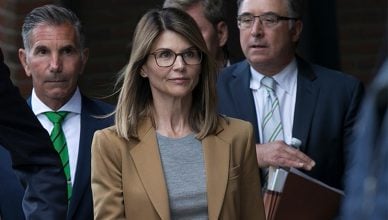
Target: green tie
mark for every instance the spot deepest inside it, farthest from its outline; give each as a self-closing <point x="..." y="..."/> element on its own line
<point x="272" y="128"/>
<point x="59" y="141"/>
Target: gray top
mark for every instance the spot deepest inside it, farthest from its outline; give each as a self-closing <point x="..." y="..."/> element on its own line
<point x="184" y="171"/>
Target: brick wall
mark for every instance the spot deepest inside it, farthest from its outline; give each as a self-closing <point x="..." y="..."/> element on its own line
<point x="362" y="25"/>
<point x="11" y="19"/>
<point x="109" y="29"/>
<point x="109" y="26"/>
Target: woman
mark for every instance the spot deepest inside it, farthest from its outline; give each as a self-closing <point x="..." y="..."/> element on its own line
<point x="170" y="155"/>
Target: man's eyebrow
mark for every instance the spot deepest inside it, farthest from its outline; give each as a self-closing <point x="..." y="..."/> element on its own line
<point x="40" y="47"/>
<point x="68" y="46"/>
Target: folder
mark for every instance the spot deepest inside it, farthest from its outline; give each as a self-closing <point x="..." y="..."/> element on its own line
<point x="301" y="197"/>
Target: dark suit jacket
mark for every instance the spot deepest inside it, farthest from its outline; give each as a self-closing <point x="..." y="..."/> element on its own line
<point x="81" y="204"/>
<point x="33" y="157"/>
<point x="326" y="107"/>
<point x="11" y="194"/>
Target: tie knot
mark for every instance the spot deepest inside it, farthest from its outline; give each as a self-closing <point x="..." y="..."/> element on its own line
<point x="56" y="117"/>
<point x="269" y="83"/>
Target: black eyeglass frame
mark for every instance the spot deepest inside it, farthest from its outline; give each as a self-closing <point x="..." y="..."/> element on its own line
<point x="278" y="18"/>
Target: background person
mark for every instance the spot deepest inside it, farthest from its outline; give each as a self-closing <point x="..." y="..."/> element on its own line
<point x="314" y="104"/>
<point x="367" y="179"/>
<point x="54" y="56"/>
<point x="210" y="18"/>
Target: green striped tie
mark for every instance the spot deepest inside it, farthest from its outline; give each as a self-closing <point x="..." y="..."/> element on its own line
<point x="272" y="128"/>
<point x="59" y="141"/>
<point x="271" y="123"/>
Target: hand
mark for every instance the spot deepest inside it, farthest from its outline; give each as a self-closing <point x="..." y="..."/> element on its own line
<point x="279" y="154"/>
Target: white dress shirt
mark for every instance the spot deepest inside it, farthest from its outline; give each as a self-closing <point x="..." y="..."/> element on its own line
<point x="71" y="125"/>
<point x="286" y="83"/>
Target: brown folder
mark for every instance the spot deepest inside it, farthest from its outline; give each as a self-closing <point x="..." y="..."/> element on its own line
<point x="302" y="198"/>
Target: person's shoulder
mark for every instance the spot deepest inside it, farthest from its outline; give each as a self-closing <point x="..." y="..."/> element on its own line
<point x="110" y="131"/>
<point x="107" y="142"/>
<point x="108" y="134"/>
<point x="343" y="84"/>
<point x="234" y="69"/>
<point x="322" y="71"/>
<point x="328" y="76"/>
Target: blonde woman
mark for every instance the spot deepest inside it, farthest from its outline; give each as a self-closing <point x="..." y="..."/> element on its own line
<point x="170" y="155"/>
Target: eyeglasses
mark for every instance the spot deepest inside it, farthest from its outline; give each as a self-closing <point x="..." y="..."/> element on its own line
<point x="167" y="57"/>
<point x="268" y="20"/>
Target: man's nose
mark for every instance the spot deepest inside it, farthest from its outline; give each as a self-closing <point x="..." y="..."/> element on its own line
<point x="257" y="28"/>
<point x="55" y="63"/>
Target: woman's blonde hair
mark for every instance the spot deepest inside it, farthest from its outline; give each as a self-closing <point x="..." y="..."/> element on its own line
<point x="135" y="99"/>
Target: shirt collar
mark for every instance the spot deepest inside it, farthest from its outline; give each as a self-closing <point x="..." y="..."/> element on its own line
<point x="73" y="105"/>
<point x="284" y="79"/>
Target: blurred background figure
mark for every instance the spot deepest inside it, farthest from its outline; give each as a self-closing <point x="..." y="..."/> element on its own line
<point x="40" y="192"/>
<point x="367" y="180"/>
<point x="210" y="18"/>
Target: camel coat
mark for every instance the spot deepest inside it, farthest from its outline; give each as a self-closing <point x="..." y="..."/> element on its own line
<point x="128" y="180"/>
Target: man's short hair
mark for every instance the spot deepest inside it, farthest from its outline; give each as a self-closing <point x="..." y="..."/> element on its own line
<point x="51" y="15"/>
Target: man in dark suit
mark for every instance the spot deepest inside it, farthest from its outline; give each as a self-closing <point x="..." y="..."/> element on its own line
<point x="316" y="105"/>
<point x="33" y="158"/>
<point x="54" y="56"/>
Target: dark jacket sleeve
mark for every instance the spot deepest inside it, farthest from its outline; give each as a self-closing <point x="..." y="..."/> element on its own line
<point x="34" y="160"/>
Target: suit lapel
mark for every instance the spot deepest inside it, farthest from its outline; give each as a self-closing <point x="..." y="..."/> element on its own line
<point x="82" y="175"/>
<point x="149" y="167"/>
<point x="242" y="96"/>
<point x="306" y="97"/>
<point x="216" y="153"/>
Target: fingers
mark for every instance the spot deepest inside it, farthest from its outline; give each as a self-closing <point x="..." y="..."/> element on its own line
<point x="279" y="154"/>
<point x="287" y="162"/>
<point x="298" y="158"/>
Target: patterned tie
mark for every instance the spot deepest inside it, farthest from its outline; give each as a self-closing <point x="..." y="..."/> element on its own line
<point x="271" y="123"/>
<point x="59" y="141"/>
<point x="272" y="127"/>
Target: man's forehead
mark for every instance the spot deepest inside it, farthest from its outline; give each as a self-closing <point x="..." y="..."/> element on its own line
<point x="263" y="6"/>
<point x="46" y="33"/>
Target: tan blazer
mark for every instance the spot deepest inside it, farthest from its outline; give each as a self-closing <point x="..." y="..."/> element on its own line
<point x="128" y="180"/>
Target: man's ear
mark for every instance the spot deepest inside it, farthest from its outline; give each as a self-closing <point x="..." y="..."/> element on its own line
<point x="296" y="30"/>
<point x="222" y="33"/>
<point x="23" y="60"/>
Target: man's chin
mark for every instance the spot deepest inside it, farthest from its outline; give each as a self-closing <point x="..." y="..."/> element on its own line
<point x="259" y="59"/>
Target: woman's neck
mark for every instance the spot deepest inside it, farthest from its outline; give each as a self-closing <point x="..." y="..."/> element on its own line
<point x="172" y="118"/>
